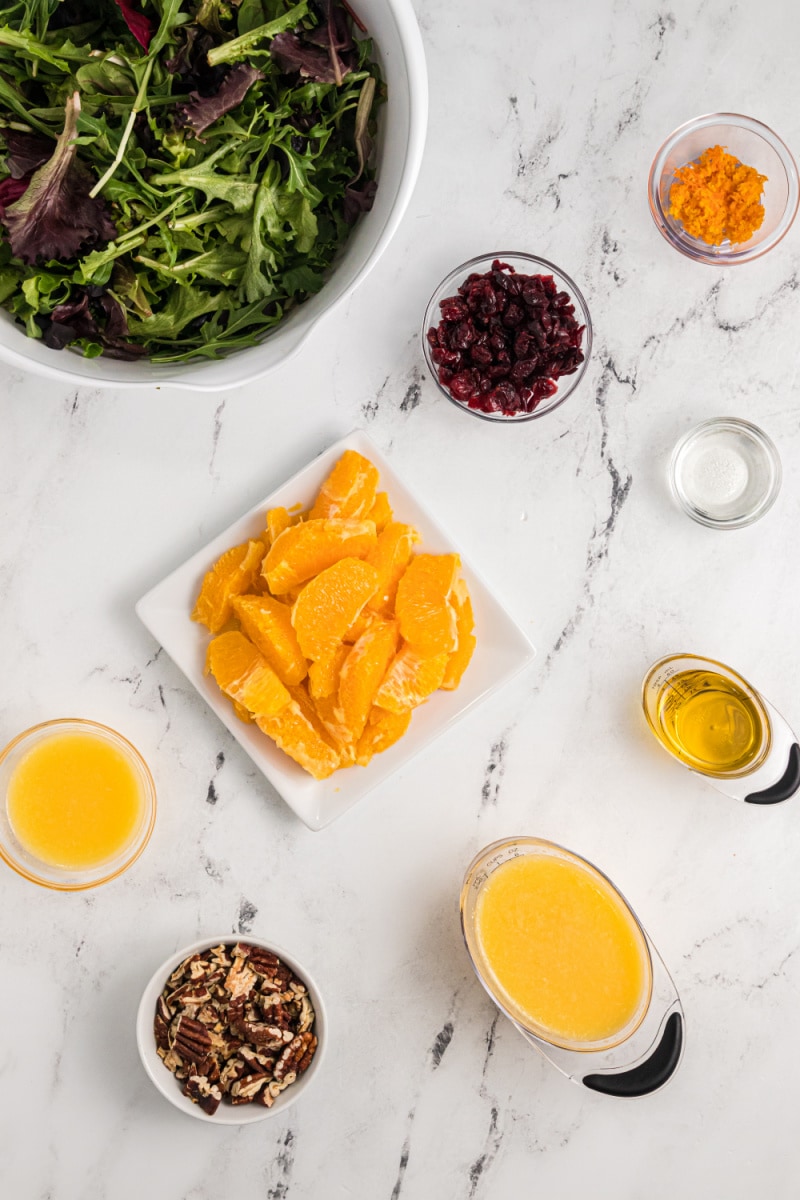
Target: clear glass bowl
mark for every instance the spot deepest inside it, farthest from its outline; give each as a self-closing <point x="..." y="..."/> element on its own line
<point x="61" y="879"/>
<point x="479" y="870"/>
<point x="525" y="264"/>
<point x="755" y="145"/>
<point x="725" y="473"/>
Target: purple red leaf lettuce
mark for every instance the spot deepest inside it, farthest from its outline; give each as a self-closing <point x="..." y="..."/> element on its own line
<point x="92" y="313"/>
<point x="140" y="26"/>
<point x="26" y="152"/>
<point x="55" y="216"/>
<point x="294" y="55"/>
<point x="202" y="111"/>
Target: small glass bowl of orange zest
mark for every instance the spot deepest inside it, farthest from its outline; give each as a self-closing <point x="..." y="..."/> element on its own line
<point x="753" y="145"/>
<point x="79" y="804"/>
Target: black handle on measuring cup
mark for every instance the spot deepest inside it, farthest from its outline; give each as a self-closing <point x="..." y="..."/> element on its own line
<point x="650" y="1075"/>
<point x="785" y="787"/>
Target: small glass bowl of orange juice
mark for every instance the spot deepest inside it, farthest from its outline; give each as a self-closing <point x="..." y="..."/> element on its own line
<point x="78" y="804"/>
<point x="564" y="957"/>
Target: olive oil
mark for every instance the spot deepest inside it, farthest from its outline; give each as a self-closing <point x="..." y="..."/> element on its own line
<point x="710" y="722"/>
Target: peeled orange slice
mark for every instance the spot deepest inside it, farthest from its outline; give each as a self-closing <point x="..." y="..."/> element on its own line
<point x="302" y="551"/>
<point x="390" y="556"/>
<point x="427" y="619"/>
<point x="363" y="672"/>
<point x="330" y="603"/>
<point x="231" y="575"/>
<point x="410" y="680"/>
<point x="268" y="624"/>
<point x="278" y="519"/>
<point x="297" y="731"/>
<point x="349" y="490"/>
<point x="244" y="675"/>
<point x="381" y="731"/>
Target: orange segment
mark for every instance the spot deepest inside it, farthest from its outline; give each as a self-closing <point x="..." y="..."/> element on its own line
<point x="336" y="731"/>
<point x="381" y="512"/>
<point x="410" y="679"/>
<point x="465" y="621"/>
<point x="268" y="624"/>
<point x="426" y="617"/>
<point x="278" y="519"/>
<point x="244" y="675"/>
<point x="231" y="575"/>
<point x="390" y="557"/>
<point x="323" y="676"/>
<point x="349" y="490"/>
<point x="363" y="672"/>
<point x="297" y="731"/>
<point x="329" y="604"/>
<point x="302" y="551"/>
<point x="382" y="730"/>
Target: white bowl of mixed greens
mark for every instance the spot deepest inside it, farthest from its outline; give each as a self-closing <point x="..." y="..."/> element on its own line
<point x="188" y="186"/>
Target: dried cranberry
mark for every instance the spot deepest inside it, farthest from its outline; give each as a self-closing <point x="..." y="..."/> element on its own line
<point x="461" y="336"/>
<point x="522" y="344"/>
<point x="522" y="370"/>
<point x="513" y="316"/>
<point x="464" y="385"/>
<point x="433" y="336"/>
<point x="481" y="355"/>
<point x="453" y="309"/>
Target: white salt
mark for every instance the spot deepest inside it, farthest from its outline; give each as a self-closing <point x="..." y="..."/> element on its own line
<point x="716" y="475"/>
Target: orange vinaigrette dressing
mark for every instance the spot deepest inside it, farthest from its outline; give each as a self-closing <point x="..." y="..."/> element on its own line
<point x="562" y="949"/>
<point x="74" y="801"/>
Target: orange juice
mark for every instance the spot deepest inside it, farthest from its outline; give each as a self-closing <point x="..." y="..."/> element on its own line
<point x="562" y="949"/>
<point x="74" y="800"/>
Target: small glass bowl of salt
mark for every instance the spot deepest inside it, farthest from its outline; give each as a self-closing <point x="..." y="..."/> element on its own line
<point x="725" y="473"/>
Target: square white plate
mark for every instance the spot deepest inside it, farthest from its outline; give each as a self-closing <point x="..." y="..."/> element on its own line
<point x="502" y="651"/>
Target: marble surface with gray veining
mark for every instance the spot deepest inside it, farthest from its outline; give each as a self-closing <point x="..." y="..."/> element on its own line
<point x="544" y="120"/>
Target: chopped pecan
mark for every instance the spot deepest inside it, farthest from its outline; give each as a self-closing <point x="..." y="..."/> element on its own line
<point x="240" y="980"/>
<point x="189" y="1038"/>
<point x="245" y="1090"/>
<point x="203" y="1092"/>
<point x="293" y="1055"/>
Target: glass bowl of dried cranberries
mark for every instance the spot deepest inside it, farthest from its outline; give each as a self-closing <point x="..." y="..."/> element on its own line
<point x="507" y="337"/>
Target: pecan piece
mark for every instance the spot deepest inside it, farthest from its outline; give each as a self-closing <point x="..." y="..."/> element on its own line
<point x="245" y="1090"/>
<point x="240" y="979"/>
<point x="190" y="1039"/>
<point x="294" y="1054"/>
<point x="203" y="1092"/>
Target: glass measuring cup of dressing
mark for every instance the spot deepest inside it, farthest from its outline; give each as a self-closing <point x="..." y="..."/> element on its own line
<point x="712" y="720"/>
<point x="564" y="957"/>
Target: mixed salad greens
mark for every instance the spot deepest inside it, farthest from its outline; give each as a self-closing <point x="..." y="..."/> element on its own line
<point x="178" y="174"/>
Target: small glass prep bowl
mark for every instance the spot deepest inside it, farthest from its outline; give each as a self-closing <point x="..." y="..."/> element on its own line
<point x="755" y="145"/>
<point x="735" y="456"/>
<point x="59" y="878"/>
<point x="524" y="264"/>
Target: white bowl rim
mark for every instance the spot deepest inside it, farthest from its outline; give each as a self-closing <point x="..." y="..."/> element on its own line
<point x="295" y="336"/>
<point x="168" y="1086"/>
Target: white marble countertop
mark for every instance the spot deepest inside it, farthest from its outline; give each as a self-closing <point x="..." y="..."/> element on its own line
<point x="544" y="120"/>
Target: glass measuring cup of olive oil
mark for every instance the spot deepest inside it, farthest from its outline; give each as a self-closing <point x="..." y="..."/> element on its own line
<point x="712" y="720"/>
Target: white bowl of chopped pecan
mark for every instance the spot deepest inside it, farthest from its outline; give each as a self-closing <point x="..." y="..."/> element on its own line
<point x="231" y="1032"/>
